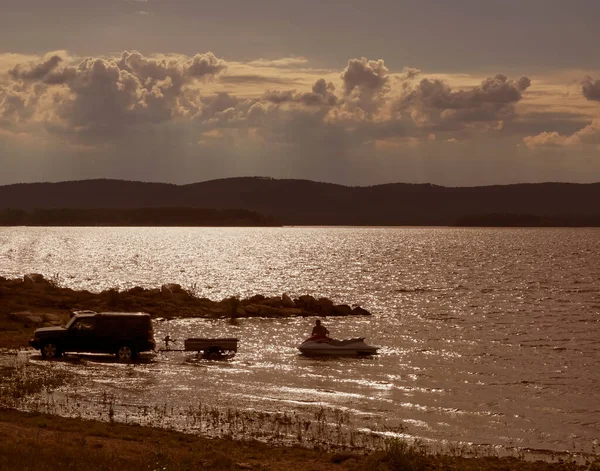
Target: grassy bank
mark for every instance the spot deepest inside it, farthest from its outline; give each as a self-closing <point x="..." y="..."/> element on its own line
<point x="39" y="441"/>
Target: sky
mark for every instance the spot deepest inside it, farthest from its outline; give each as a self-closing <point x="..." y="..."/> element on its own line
<point x="461" y="93"/>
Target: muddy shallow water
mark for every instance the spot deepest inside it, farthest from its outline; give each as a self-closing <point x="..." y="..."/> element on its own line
<point x="487" y="336"/>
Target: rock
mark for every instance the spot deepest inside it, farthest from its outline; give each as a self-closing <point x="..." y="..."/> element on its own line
<point x="51" y="318"/>
<point x="289" y="312"/>
<point x="359" y="311"/>
<point x="342" y="310"/>
<point x="307" y="301"/>
<point x="324" y="306"/>
<point x="36" y="320"/>
<point x="286" y="301"/>
<point x="18" y="316"/>
<point x="268" y="311"/>
<point x="136" y="290"/>
<point x="26" y="317"/>
<point x="252" y="309"/>
<point x="170" y="289"/>
<point x="256" y="299"/>
<point x="33" y="278"/>
<point x="240" y="311"/>
<point x="275" y="301"/>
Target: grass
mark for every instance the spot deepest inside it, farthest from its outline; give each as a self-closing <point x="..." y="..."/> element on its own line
<point x="31" y="441"/>
<point x="23" y="380"/>
<point x="50" y="442"/>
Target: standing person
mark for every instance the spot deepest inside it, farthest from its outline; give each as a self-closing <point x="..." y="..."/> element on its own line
<point x="319" y="330"/>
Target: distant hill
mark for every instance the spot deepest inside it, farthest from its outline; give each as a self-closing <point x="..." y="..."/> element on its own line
<point x="133" y="217"/>
<point x="304" y="202"/>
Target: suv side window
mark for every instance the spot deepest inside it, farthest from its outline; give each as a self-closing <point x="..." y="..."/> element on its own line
<point x="85" y="325"/>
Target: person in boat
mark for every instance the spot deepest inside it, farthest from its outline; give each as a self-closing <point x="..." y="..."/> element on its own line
<point x="319" y="330"/>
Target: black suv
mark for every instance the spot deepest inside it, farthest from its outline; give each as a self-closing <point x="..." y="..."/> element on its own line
<point x="119" y="333"/>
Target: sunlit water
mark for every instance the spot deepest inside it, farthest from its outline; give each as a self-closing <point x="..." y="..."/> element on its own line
<point x="487" y="336"/>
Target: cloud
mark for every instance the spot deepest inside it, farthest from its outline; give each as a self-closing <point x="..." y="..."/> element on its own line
<point x="17" y="105"/>
<point x="410" y="72"/>
<point x="365" y="83"/>
<point x="433" y="102"/>
<point x="217" y="104"/>
<point x="202" y="65"/>
<point x="284" y="62"/>
<point x="591" y="88"/>
<point x="34" y="71"/>
<point x="51" y="69"/>
<point x="588" y="135"/>
<point x="256" y="79"/>
<point x="322" y="94"/>
<point x="84" y="99"/>
<point x="104" y="96"/>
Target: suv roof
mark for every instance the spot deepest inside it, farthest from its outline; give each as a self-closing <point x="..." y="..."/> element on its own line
<point x="122" y="314"/>
<point x="83" y="314"/>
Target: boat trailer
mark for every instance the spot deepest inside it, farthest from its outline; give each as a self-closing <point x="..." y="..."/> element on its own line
<point x="204" y="347"/>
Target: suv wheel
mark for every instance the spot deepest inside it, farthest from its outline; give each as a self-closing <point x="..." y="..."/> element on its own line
<point x="50" y="350"/>
<point x="125" y="353"/>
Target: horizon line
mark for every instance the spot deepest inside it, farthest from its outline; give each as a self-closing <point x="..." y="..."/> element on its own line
<point x="256" y="177"/>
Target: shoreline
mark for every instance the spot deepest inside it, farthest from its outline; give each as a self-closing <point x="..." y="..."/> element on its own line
<point x="31" y="439"/>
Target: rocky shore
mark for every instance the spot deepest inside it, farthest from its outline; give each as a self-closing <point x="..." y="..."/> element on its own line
<point x="36" y="300"/>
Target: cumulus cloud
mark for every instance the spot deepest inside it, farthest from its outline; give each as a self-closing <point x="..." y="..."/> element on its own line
<point x="410" y="72"/>
<point x="365" y="83"/>
<point x="322" y="94"/>
<point x="100" y="95"/>
<point x="104" y="97"/>
<point x="17" y="104"/>
<point x="217" y="104"/>
<point x="51" y="70"/>
<point x="591" y="88"/>
<point x="35" y="71"/>
<point x="588" y="135"/>
<point x="433" y="102"/>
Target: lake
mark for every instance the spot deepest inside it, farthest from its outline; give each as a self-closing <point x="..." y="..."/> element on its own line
<point x="487" y="336"/>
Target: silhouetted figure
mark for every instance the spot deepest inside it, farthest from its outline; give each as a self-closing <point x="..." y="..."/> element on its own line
<point x="168" y="340"/>
<point x="319" y="330"/>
